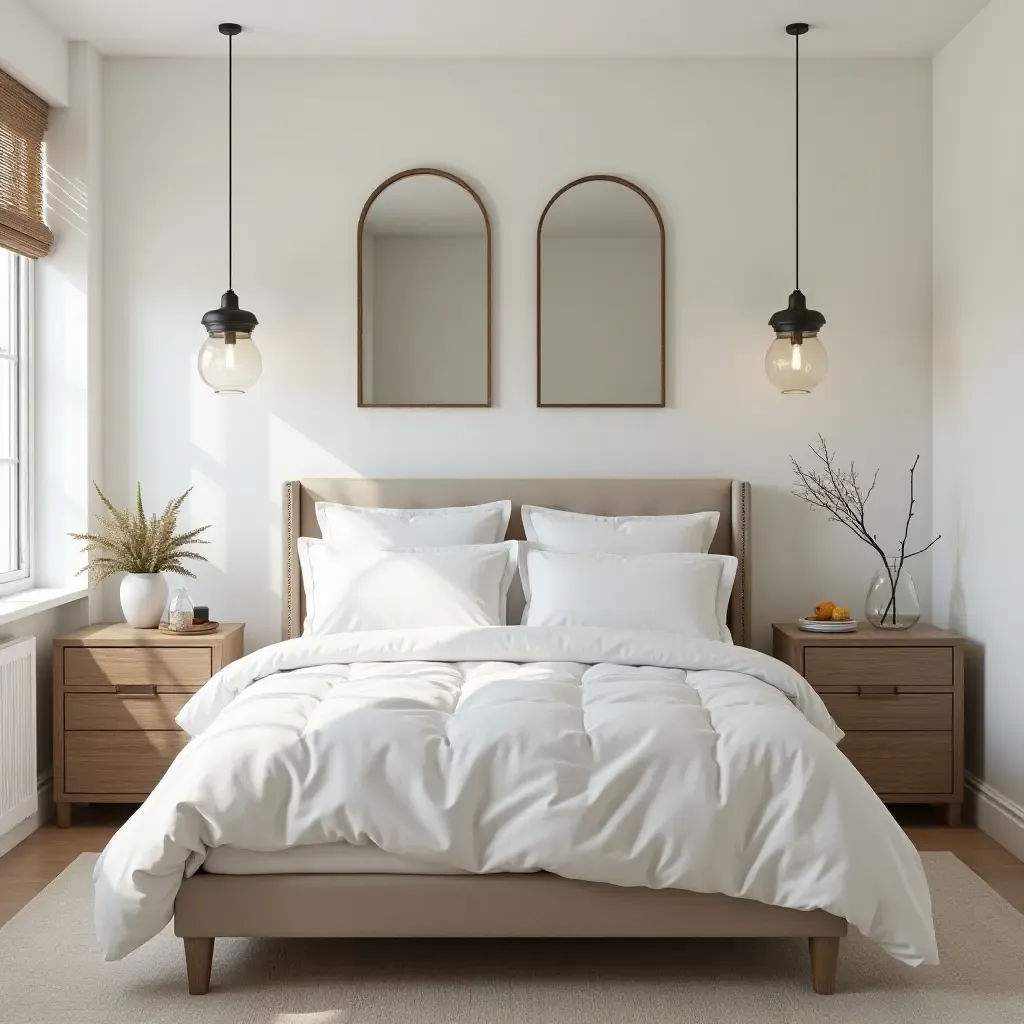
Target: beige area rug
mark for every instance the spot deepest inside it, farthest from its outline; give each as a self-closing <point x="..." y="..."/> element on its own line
<point x="50" y="972"/>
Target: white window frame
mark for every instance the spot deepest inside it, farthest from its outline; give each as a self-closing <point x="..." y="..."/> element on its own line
<point x="21" y="283"/>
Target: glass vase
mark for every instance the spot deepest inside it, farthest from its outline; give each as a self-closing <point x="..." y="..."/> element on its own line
<point x="892" y="601"/>
<point x="180" y="611"/>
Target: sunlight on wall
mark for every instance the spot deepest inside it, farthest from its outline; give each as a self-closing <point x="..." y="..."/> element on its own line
<point x="297" y="456"/>
<point x="60" y="364"/>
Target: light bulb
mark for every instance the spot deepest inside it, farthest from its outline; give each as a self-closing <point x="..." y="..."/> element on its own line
<point x="794" y="366"/>
<point x="230" y="368"/>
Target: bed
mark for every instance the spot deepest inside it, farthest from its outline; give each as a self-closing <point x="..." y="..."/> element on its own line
<point x="305" y="901"/>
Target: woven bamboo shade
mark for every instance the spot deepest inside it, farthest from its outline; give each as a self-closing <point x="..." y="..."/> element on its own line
<point x="23" y="117"/>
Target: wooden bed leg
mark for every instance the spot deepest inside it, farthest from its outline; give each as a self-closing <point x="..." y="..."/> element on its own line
<point x="198" y="964"/>
<point x="824" y="963"/>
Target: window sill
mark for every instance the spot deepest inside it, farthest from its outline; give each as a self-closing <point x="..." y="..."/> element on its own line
<point x="39" y="599"/>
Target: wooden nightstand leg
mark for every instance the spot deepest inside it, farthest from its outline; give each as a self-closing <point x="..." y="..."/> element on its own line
<point x="954" y="815"/>
<point x="63" y="814"/>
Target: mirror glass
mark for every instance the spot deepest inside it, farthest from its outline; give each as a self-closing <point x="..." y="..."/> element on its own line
<point x="600" y="294"/>
<point x="424" y="293"/>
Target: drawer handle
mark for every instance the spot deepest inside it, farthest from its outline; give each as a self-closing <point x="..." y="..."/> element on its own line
<point x="135" y="690"/>
<point x="878" y="692"/>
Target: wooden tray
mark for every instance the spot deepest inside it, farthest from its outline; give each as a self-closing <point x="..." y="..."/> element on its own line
<point x="193" y="630"/>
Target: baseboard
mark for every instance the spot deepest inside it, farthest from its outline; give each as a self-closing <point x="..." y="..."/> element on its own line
<point x="39" y="817"/>
<point x="997" y="815"/>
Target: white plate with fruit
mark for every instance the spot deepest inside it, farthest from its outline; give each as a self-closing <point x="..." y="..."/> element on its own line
<point x="828" y="617"/>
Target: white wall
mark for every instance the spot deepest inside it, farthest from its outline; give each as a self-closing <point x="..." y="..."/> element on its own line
<point x="68" y="329"/>
<point x="709" y="140"/>
<point x="978" y="374"/>
<point x="33" y="52"/>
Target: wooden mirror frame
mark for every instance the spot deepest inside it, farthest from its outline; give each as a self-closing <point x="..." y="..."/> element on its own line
<point x="413" y="172"/>
<point x="660" y="404"/>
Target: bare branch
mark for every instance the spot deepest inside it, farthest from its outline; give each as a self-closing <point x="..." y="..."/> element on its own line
<point x="839" y="493"/>
<point x="921" y="551"/>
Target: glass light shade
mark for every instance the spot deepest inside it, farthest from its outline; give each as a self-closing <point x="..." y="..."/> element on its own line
<point x="230" y="368"/>
<point x="796" y="367"/>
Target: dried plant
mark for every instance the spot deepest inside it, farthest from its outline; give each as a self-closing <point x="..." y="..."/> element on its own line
<point x="839" y="492"/>
<point x="131" y="542"/>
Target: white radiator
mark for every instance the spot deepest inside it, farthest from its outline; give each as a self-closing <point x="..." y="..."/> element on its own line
<point x="18" y="786"/>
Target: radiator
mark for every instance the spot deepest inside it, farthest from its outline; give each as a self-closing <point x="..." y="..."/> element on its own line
<point x="18" y="786"/>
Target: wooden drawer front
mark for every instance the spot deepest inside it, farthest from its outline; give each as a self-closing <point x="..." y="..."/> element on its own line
<point x="879" y="666"/>
<point x="903" y="711"/>
<point x="168" y="667"/>
<point x="118" y="762"/>
<point x="903" y="762"/>
<point x="117" y="711"/>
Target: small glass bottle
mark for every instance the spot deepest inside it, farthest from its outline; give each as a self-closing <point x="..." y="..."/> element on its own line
<point x="180" y="611"/>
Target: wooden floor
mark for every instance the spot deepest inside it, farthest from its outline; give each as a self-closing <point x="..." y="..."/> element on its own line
<point x="33" y="864"/>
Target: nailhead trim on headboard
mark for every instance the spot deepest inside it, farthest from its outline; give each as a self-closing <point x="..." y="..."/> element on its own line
<point x="291" y="502"/>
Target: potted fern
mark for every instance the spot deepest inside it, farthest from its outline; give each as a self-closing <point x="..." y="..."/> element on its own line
<point x="143" y="549"/>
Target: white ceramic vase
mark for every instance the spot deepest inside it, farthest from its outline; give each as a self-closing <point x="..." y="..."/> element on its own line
<point x="143" y="598"/>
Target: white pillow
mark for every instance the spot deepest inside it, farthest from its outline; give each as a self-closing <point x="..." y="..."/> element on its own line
<point x="384" y="529"/>
<point x="355" y="590"/>
<point x="620" y="535"/>
<point x="682" y="593"/>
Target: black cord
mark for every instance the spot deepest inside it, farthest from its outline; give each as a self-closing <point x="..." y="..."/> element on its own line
<point x="796" y="158"/>
<point x="231" y="243"/>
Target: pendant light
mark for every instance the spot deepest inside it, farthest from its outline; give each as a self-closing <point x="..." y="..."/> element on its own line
<point x="796" y="361"/>
<point x="229" y="361"/>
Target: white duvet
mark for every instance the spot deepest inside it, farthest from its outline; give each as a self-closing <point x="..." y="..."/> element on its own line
<point x="630" y="757"/>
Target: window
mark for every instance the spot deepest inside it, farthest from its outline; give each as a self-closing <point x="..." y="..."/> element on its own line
<point x="15" y="303"/>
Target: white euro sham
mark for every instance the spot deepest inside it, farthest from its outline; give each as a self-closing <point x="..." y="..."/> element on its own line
<point x="620" y="535"/>
<point x="405" y="589"/>
<point x="679" y="593"/>
<point x="353" y="526"/>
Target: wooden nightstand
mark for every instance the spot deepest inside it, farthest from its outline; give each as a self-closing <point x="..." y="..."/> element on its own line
<point x="116" y="691"/>
<point x="899" y="697"/>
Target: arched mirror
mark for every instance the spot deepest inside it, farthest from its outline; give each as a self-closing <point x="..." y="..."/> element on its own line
<point x="424" y="293"/>
<point x="601" y="296"/>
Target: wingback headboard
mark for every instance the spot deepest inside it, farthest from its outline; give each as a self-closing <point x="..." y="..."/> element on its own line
<point x="599" y="497"/>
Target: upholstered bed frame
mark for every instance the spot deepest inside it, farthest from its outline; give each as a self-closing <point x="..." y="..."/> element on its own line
<point x="499" y="905"/>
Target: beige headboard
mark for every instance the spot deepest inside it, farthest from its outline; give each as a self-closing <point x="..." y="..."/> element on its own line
<point x="599" y="497"/>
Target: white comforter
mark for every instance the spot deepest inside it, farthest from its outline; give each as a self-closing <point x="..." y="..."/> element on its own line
<point x="622" y="756"/>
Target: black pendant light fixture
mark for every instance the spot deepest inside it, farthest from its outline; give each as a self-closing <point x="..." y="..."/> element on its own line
<point x="229" y="361"/>
<point x="797" y="361"/>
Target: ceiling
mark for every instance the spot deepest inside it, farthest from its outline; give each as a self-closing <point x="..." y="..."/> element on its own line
<point x="514" y="28"/>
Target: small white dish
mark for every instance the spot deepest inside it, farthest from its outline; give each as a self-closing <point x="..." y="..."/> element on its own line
<point x="826" y="626"/>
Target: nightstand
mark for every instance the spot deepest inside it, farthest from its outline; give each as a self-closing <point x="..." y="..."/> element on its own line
<point x="899" y="697"/>
<point x="116" y="692"/>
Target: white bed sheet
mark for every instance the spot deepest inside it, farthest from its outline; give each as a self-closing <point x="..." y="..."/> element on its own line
<point x="319" y="859"/>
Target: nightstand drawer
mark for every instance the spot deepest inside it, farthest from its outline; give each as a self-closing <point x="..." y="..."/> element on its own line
<point x="118" y="762"/>
<point x="878" y="666"/>
<point x="903" y="762"/>
<point x="165" y="667"/>
<point x="144" y="710"/>
<point x="873" y="711"/>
